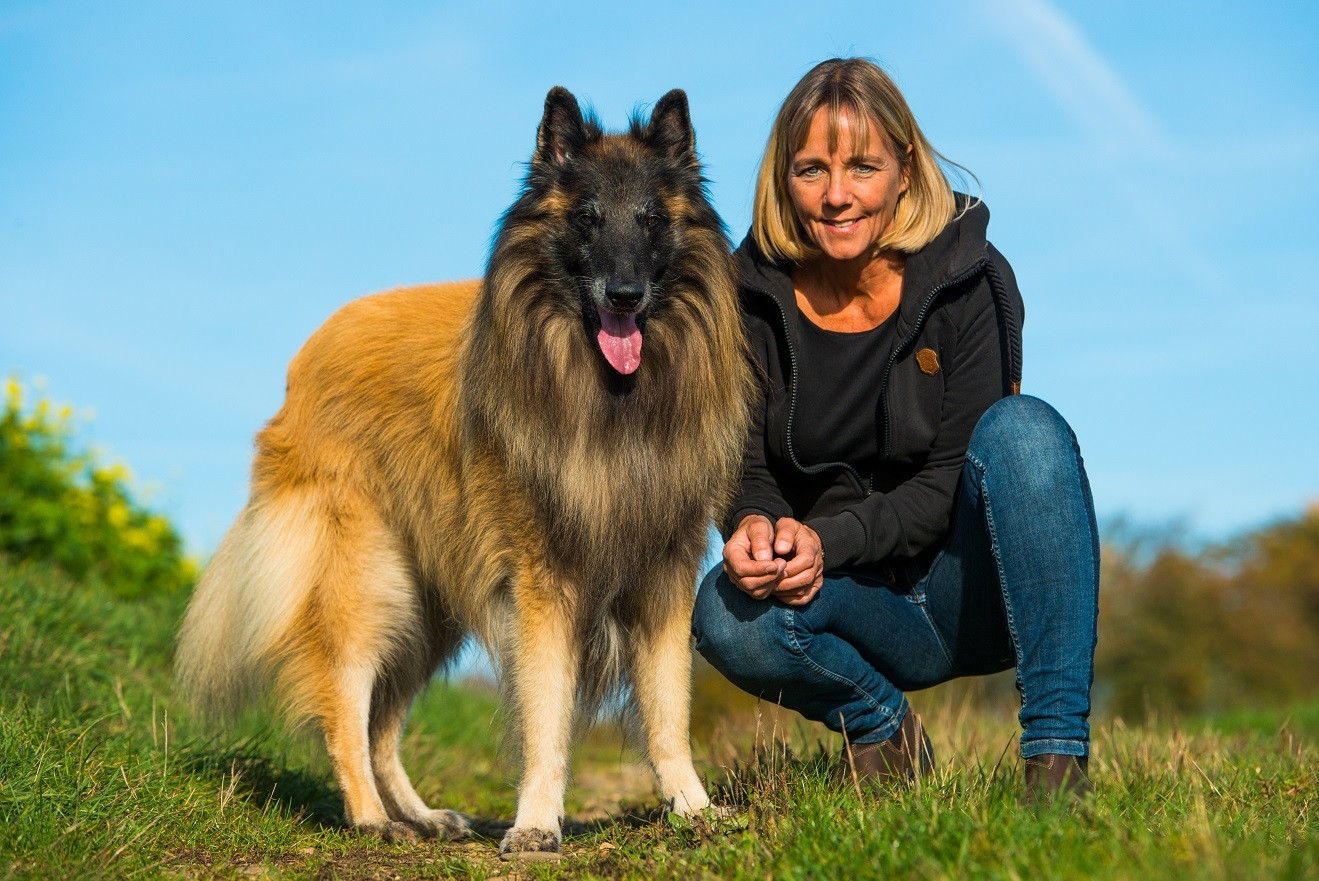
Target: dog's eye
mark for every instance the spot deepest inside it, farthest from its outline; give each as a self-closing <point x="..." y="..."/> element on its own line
<point x="585" y="218"/>
<point x="653" y="219"/>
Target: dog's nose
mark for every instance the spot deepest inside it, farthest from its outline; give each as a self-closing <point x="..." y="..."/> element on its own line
<point x="624" y="295"/>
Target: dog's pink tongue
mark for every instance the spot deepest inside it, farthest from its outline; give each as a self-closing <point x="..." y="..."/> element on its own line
<point x="620" y="341"/>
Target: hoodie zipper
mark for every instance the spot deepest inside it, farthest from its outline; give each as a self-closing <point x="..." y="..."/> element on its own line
<point x="867" y="486"/>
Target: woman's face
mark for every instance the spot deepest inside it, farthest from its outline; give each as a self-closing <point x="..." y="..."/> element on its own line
<point x="844" y="201"/>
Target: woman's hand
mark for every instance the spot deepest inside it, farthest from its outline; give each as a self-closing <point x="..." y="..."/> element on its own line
<point x="784" y="560"/>
<point x="803" y="555"/>
<point x="749" y="557"/>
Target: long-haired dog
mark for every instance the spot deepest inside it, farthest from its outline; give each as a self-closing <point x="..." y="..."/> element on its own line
<point x="532" y="458"/>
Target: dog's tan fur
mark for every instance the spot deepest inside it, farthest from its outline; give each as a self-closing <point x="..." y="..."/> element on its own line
<point x="450" y="459"/>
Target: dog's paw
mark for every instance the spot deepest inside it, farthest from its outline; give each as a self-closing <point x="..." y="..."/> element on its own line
<point x="444" y="825"/>
<point x="530" y="845"/>
<point x="684" y="807"/>
<point x="391" y="831"/>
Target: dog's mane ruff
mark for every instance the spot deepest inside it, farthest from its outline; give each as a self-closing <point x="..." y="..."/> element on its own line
<point x="595" y="458"/>
<point x="621" y="470"/>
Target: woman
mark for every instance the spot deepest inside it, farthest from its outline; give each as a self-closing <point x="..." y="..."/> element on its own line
<point x="904" y="516"/>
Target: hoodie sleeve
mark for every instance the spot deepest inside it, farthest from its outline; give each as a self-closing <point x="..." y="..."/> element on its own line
<point x="917" y="513"/>
<point x="758" y="491"/>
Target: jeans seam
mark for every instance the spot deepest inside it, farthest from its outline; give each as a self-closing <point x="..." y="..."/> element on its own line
<point x="1095" y="549"/>
<point x="998" y="568"/>
<point x="938" y="637"/>
<point x="795" y="645"/>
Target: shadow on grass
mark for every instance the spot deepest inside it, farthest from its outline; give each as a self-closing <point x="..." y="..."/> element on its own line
<point x="492" y="829"/>
<point x="251" y="770"/>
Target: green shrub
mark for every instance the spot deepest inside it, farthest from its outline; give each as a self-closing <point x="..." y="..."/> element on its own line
<point x="58" y="505"/>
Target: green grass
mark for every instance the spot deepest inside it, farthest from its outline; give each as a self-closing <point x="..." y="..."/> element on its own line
<point x="103" y="774"/>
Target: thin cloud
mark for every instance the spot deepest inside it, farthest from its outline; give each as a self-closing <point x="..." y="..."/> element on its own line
<point x="1115" y="122"/>
<point x="1078" y="76"/>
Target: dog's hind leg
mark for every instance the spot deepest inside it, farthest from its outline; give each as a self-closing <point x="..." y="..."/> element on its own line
<point x="344" y="713"/>
<point x="389" y="711"/>
<point x="661" y="666"/>
<point x="359" y="611"/>
<point x="541" y="667"/>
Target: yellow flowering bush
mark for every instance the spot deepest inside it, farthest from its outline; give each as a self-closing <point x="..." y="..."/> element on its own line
<point x="58" y="505"/>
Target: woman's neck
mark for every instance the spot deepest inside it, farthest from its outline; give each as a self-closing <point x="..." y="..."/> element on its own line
<point x="850" y="295"/>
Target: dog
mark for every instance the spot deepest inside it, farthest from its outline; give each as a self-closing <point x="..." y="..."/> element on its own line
<point x="532" y="458"/>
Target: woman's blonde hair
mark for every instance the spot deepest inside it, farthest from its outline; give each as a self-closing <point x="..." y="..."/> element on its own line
<point x="857" y="86"/>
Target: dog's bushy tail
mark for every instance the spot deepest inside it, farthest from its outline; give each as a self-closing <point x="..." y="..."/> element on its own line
<point x="242" y="614"/>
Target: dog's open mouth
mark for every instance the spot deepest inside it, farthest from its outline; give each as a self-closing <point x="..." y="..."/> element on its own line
<point x="619" y="339"/>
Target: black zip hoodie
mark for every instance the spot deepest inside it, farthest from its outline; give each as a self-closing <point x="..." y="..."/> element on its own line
<point x="957" y="350"/>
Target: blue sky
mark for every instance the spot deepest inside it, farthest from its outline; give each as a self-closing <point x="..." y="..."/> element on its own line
<point x="188" y="190"/>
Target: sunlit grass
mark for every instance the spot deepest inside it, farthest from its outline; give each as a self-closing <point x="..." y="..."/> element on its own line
<point x="103" y="774"/>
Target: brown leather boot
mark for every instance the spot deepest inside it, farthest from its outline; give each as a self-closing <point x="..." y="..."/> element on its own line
<point x="904" y="757"/>
<point x="1050" y="777"/>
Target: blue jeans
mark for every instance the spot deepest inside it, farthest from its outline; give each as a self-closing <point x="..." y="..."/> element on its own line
<point x="1015" y="584"/>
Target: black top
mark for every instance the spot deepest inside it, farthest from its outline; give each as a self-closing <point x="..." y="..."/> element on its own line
<point x="839" y="376"/>
<point x="955" y="348"/>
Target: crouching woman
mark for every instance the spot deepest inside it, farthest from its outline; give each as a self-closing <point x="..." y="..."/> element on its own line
<point x="904" y="517"/>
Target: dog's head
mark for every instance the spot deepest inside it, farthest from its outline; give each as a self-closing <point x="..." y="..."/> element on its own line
<point x="617" y="207"/>
<point x="607" y="327"/>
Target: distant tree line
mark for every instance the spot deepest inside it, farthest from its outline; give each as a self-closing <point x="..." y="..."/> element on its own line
<point x="1232" y="624"/>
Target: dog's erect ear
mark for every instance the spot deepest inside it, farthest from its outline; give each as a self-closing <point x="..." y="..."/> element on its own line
<point x="670" y="128"/>
<point x="562" y="131"/>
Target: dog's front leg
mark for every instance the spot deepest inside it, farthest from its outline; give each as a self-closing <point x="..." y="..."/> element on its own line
<point x="542" y="660"/>
<point x="662" y="677"/>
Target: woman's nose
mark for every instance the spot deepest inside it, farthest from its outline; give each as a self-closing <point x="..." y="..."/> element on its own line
<point x="837" y="193"/>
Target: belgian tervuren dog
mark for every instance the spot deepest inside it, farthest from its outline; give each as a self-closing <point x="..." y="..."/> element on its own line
<point x="533" y="458"/>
